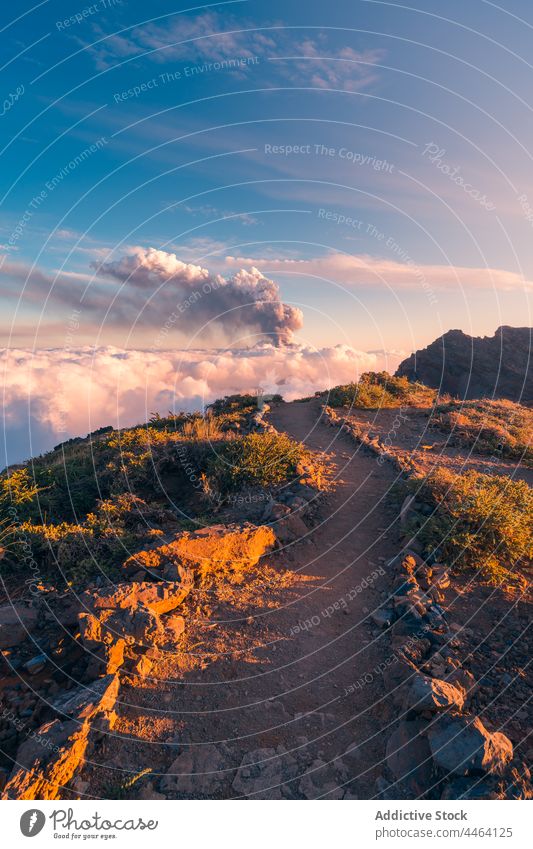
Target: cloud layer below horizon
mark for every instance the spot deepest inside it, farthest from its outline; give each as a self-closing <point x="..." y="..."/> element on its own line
<point x="51" y="395"/>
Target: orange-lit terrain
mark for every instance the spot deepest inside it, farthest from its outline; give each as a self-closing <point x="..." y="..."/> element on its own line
<point x="283" y="658"/>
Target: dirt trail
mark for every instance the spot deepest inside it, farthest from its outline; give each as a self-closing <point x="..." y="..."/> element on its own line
<point x="285" y="662"/>
<point x="411" y="435"/>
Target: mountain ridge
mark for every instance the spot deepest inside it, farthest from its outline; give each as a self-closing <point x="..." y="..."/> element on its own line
<point x="476" y="366"/>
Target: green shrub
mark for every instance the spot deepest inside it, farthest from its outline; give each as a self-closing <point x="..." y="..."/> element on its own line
<point x="19" y="488"/>
<point x="83" y="505"/>
<point x="501" y="428"/>
<point x="233" y="404"/>
<point x="258" y="459"/>
<point x="380" y="389"/>
<point x="98" y="544"/>
<point x="479" y="522"/>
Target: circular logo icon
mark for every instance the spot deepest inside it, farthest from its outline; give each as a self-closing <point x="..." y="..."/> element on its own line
<point x="32" y="822"/>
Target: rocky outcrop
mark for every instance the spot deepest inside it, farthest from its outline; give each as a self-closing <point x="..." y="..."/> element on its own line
<point x="438" y="739"/>
<point x="50" y="757"/>
<point x="16" y="622"/>
<point x="196" y="771"/>
<point x="465" y="366"/>
<point x="130" y="615"/>
<point x="159" y="598"/>
<point x="462" y="745"/>
<point x="225" y="547"/>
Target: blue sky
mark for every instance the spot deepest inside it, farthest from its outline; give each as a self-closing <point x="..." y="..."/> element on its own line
<point x="372" y="159"/>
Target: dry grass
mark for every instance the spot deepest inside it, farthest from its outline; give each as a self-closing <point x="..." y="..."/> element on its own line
<point x="478" y="522"/>
<point x="377" y="390"/>
<point x="501" y="428"/>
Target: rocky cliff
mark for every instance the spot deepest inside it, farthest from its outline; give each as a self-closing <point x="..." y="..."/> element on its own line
<point x="497" y="366"/>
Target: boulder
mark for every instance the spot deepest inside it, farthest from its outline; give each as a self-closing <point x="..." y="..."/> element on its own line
<point x="16" y="621"/>
<point x="143" y="666"/>
<point x="288" y="525"/>
<point x="424" y="575"/>
<point x="174" y="629"/>
<point x="114" y="656"/>
<point x="260" y="775"/>
<point x="462" y="745"/>
<point x="441" y="577"/>
<point x="158" y="597"/>
<point x="409" y="759"/>
<point x="409" y="625"/>
<point x="321" y="782"/>
<point x="410" y="561"/>
<point x="131" y="613"/>
<point x="86" y="701"/>
<point x="405" y="586"/>
<point x="48" y="760"/>
<point x="415" y="604"/>
<point x="432" y="694"/>
<point x="436" y="618"/>
<point x="197" y="771"/>
<point x="136" y="626"/>
<point x="415" y="649"/>
<point x="383" y="617"/>
<point x="464" y="680"/>
<point x="235" y="547"/>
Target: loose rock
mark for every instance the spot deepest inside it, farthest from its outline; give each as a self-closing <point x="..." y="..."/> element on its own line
<point x="409" y="758"/>
<point x="432" y="694"/>
<point x="16" y="621"/>
<point x="462" y="745"/>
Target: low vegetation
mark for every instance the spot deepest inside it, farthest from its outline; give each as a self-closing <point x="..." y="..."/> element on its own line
<point x="87" y="504"/>
<point x="477" y="522"/>
<point x="258" y="459"/>
<point x="380" y="389"/>
<point x="502" y="429"/>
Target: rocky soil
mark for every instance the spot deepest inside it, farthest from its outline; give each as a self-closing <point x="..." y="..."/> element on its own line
<point x="462" y="684"/>
<point x="308" y="654"/>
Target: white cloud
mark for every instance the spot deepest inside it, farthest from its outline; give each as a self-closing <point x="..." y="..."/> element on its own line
<point x="211" y="37"/>
<point x="213" y="213"/>
<point x="50" y="395"/>
<point x="153" y="288"/>
<point x="363" y="270"/>
<point x="188" y="296"/>
<point x="314" y="63"/>
<point x="68" y="235"/>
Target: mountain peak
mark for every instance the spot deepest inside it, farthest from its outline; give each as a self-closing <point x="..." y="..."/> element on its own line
<point x="476" y="366"/>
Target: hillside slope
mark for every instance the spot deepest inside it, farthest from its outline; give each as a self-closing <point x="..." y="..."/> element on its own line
<point x="465" y="366"/>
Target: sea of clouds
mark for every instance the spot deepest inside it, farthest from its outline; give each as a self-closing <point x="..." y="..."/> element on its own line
<point x="52" y="395"/>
